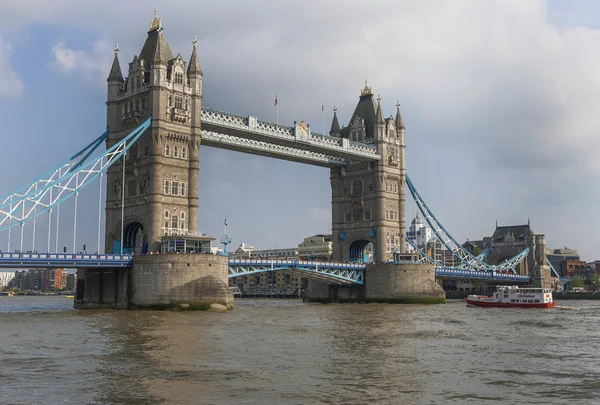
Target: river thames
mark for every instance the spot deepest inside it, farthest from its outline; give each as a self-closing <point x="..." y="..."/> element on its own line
<point x="289" y="352"/>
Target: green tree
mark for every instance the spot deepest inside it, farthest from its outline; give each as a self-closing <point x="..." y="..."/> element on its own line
<point x="595" y="282"/>
<point x="476" y="251"/>
<point x="577" y="281"/>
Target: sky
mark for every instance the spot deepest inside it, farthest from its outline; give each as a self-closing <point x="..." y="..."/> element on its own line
<point x="501" y="102"/>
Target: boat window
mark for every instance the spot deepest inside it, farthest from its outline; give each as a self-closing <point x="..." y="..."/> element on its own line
<point x="529" y="300"/>
<point x="537" y="300"/>
<point x="512" y="300"/>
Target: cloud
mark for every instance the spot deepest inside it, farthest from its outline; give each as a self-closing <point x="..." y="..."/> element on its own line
<point x="501" y="99"/>
<point x="10" y="82"/>
<point x="92" y="65"/>
<point x="320" y="215"/>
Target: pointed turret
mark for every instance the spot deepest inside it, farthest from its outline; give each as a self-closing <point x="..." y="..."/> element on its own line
<point x="379" y="114"/>
<point x="115" y="75"/>
<point x="335" y="125"/>
<point x="194" y="65"/>
<point x="156" y="50"/>
<point x="399" y="121"/>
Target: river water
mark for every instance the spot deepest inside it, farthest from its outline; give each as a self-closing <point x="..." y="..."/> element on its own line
<point x="288" y="352"/>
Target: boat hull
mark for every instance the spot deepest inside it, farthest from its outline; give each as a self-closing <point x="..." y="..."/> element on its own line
<point x="493" y="304"/>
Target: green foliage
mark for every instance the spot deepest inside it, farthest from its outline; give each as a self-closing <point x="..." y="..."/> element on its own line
<point x="595" y="281"/>
<point x="577" y="281"/>
<point x="476" y="251"/>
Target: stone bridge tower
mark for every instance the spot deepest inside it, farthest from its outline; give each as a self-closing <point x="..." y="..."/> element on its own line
<point x="368" y="198"/>
<point x="160" y="190"/>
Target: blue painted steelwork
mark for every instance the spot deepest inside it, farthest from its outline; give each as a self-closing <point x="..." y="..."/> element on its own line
<point x="63" y="260"/>
<point x="424" y="258"/>
<point x="69" y="166"/>
<point x="39" y="200"/>
<point x="553" y="269"/>
<point x="450" y="273"/>
<point x="232" y="131"/>
<point x="340" y="273"/>
<point x="456" y="248"/>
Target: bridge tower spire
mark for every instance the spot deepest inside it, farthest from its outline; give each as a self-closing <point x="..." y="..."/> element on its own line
<point x="161" y="170"/>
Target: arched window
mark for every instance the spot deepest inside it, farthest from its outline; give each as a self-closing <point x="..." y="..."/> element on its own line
<point x="183" y="190"/>
<point x="138" y="82"/>
<point x="167" y="150"/>
<point x="167" y="214"/>
<point x="167" y="187"/>
<point x="170" y="101"/>
<point x="178" y="102"/>
<point x="174" y="222"/>
<point x="183" y="216"/>
<point x="175" y="188"/>
<point x="176" y="151"/>
<point x="184" y="152"/>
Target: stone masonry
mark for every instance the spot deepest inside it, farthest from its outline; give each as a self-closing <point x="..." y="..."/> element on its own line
<point x="161" y="169"/>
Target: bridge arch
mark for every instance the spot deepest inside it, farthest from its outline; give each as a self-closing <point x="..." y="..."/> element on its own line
<point x="359" y="249"/>
<point x="134" y="238"/>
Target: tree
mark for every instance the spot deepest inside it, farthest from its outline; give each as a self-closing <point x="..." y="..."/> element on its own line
<point x="595" y="281"/>
<point x="577" y="281"/>
<point x="476" y="251"/>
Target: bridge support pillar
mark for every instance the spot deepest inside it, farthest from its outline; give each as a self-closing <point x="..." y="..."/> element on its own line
<point x="405" y="283"/>
<point x="187" y="281"/>
<point x="542" y="277"/>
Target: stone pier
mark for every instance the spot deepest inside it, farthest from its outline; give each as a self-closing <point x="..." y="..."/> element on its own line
<point x="402" y="283"/>
<point x="168" y="281"/>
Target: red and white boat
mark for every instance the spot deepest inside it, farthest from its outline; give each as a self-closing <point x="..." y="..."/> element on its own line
<point x="514" y="297"/>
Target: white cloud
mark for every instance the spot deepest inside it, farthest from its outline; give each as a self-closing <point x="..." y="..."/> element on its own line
<point x="499" y="102"/>
<point x="320" y="216"/>
<point x="92" y="65"/>
<point x="10" y="82"/>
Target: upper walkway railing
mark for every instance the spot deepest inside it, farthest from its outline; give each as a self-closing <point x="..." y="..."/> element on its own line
<point x="226" y="127"/>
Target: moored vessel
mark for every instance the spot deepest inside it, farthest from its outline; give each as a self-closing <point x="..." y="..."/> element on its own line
<point x="514" y="297"/>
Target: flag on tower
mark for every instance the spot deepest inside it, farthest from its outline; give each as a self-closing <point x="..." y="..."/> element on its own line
<point x="322" y="108"/>
<point x="225" y="221"/>
<point x="276" y="100"/>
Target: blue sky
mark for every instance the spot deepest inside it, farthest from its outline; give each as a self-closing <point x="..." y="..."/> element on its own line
<point x="501" y="101"/>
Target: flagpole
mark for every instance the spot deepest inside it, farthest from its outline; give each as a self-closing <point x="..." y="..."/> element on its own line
<point x="323" y="119"/>
<point x="276" y="109"/>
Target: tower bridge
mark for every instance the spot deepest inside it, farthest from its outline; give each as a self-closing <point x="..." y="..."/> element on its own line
<point x="156" y="125"/>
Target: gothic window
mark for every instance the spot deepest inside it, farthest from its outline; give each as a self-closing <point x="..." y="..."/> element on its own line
<point x="167" y="187"/>
<point x="167" y="214"/>
<point x="386" y="214"/>
<point x="174" y="222"/>
<point x="179" y="78"/>
<point x="143" y="103"/>
<point x="175" y="188"/>
<point x="178" y="102"/>
<point x="183" y="216"/>
<point x="367" y="215"/>
<point x="146" y="150"/>
<point x="138" y="82"/>
<point x="166" y="227"/>
<point x="132" y="188"/>
<point x="357" y="187"/>
<point x="186" y="104"/>
<point x="184" y="152"/>
<point x="357" y="214"/>
<point x="183" y="191"/>
<point x="395" y="188"/>
<point x="386" y="187"/>
<point x="348" y="216"/>
<point x="167" y="150"/>
<point x="176" y="151"/>
<point x="170" y="101"/>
